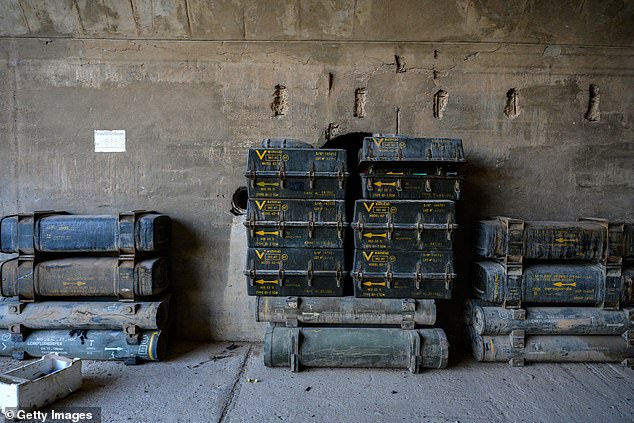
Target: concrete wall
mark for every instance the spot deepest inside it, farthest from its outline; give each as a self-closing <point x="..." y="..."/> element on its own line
<point x="192" y="85"/>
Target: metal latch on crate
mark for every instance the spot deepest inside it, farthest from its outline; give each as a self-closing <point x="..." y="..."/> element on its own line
<point x="252" y="175"/>
<point x="389" y="276"/>
<point x="419" y="275"/>
<point x="389" y="225"/>
<point x="311" y="226"/>
<point x="341" y="176"/>
<point x="339" y="275"/>
<point x="311" y="175"/>
<point x="420" y="227"/>
<point x="309" y="273"/>
<point x="449" y="276"/>
<point x="282" y="174"/>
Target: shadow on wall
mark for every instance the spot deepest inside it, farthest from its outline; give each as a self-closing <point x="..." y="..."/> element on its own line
<point x="185" y="278"/>
<point x="352" y="143"/>
<point x="468" y="211"/>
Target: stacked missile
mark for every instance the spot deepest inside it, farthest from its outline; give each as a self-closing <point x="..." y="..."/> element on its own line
<point x="403" y="232"/>
<point x="552" y="292"/>
<point x="85" y="286"/>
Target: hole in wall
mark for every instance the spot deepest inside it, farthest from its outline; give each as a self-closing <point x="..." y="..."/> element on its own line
<point x="593" y="114"/>
<point x="360" y="98"/>
<point x="279" y="106"/>
<point x="441" y="98"/>
<point x="239" y="201"/>
<point x="512" y="108"/>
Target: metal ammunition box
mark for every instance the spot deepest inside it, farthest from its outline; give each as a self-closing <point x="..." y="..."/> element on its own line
<point x="296" y="173"/>
<point x="403" y="274"/>
<point x="395" y="183"/>
<point x="275" y="223"/>
<point x="404" y="225"/>
<point x="403" y="149"/>
<point x="295" y="272"/>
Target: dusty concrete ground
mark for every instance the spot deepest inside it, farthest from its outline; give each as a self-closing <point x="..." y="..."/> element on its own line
<point x="209" y="383"/>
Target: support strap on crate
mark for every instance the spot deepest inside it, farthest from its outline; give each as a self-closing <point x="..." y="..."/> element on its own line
<point x="125" y="278"/>
<point x="295" y="339"/>
<point x="415" y="357"/>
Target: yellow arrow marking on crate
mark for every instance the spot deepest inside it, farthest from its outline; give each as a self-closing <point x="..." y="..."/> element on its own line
<point x="566" y="240"/>
<point x="373" y="283"/>
<point x="266" y="233"/>
<point x="371" y="235"/>
<point x="262" y="282"/>
<point x="387" y="184"/>
<point x="261" y="154"/>
<point x="560" y="284"/>
<point x="78" y="283"/>
<point x="268" y="184"/>
<point x="394" y="173"/>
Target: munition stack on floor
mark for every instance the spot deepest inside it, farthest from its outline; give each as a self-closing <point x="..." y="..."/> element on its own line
<point x="85" y="286"/>
<point x="405" y="223"/>
<point x="367" y="330"/>
<point x="553" y="292"/>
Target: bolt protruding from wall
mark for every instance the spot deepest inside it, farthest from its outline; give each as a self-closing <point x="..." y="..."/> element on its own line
<point x="593" y="114"/>
<point x="279" y="106"/>
<point x="512" y="109"/>
<point x="400" y="64"/>
<point x="332" y="131"/>
<point x="360" y="97"/>
<point x="441" y="98"/>
<point x="397" y="110"/>
<point x="331" y="81"/>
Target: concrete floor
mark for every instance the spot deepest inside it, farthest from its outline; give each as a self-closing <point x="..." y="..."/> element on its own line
<point x="209" y="383"/>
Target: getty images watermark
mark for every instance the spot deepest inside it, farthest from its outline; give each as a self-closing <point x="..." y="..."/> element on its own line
<point x="54" y="415"/>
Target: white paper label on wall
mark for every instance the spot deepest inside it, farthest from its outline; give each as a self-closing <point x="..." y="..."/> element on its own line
<point x="109" y="141"/>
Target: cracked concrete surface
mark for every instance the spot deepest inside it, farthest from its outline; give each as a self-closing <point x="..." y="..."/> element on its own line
<point x="209" y="383"/>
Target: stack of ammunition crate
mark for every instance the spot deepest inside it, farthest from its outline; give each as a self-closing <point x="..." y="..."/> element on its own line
<point x="553" y="292"/>
<point x="85" y="286"/>
<point x="363" y="331"/>
<point x="296" y="220"/>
